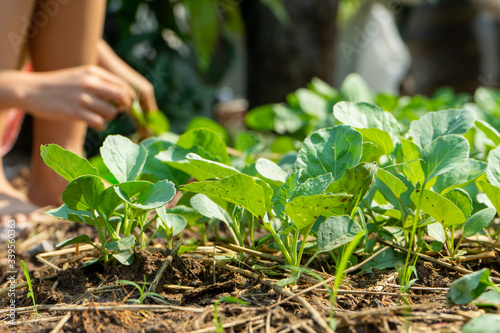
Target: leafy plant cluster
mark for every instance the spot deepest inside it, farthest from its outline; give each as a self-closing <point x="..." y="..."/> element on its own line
<point x="366" y="174"/>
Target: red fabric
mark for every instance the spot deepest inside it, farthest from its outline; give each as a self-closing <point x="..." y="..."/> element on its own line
<point x="12" y="123"/>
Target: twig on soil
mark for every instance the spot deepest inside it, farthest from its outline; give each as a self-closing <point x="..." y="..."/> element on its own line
<point x="48" y="263"/>
<point x="61" y="323"/>
<point x="257" y="319"/>
<point x="118" y="307"/>
<point x="57" y="253"/>
<point x="154" y="285"/>
<point x="382" y="293"/>
<point x="313" y="312"/>
<point x="484" y="255"/>
<point x="255" y="253"/>
<point x="431" y="259"/>
<point x="491" y="244"/>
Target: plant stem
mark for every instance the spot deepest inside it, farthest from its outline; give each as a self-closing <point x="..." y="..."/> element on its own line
<point x="282" y="247"/>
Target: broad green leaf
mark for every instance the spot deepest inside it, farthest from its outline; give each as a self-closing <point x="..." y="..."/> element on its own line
<point x="283" y="144"/>
<point x="239" y="189"/>
<point x="176" y="157"/>
<point x="82" y="239"/>
<point x="83" y="193"/>
<point x="204" y="23"/>
<point x="157" y="122"/>
<point x="155" y="195"/>
<point x="123" y="158"/>
<point x="124" y="257"/>
<point x="379" y="137"/>
<point x="334" y="150"/>
<point x="493" y="169"/>
<point x="291" y="120"/>
<point x="202" y="122"/>
<point x="284" y="194"/>
<point x="336" y="231"/>
<point x="190" y="214"/>
<point x="355" y="89"/>
<point x="461" y="176"/>
<point x="388" y="259"/>
<point x="261" y="118"/>
<point x="173" y="222"/>
<point x="368" y="116"/>
<point x="410" y="155"/>
<point x="440" y="208"/>
<point x="312" y="104"/>
<point x="461" y="199"/>
<point x="478" y="221"/>
<point x="131" y="189"/>
<point x="393" y="183"/>
<point x="102" y="169"/>
<point x="108" y="202"/>
<point x="371" y="152"/>
<point x="206" y="207"/>
<point x="355" y="181"/>
<point x="492" y="192"/>
<point x="436" y="232"/>
<point x="490" y="297"/>
<point x="322" y="88"/>
<point x="268" y="193"/>
<point x="303" y="211"/>
<point x="206" y="143"/>
<point x="67" y="164"/>
<point x="312" y="186"/>
<point x="444" y="154"/>
<point x="64" y="213"/>
<point x="125" y="243"/>
<point x="270" y="170"/>
<point x="433" y="125"/>
<point x="486" y="323"/>
<point x="467" y="288"/>
<point x="218" y="170"/>
<point x="490" y="131"/>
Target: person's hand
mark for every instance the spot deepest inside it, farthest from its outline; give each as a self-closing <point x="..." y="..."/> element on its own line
<point x="87" y="93"/>
<point x="111" y="62"/>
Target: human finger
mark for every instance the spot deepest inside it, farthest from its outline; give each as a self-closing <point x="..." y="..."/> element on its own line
<point x="102" y="107"/>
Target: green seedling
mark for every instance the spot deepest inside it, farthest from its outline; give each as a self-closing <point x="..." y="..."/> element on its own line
<point x="30" y="287"/>
<point x="143" y="295"/>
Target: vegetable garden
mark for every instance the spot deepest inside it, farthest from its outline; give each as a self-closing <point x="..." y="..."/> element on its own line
<point x="339" y="210"/>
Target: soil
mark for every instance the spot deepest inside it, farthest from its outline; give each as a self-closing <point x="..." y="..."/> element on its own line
<point x="90" y="299"/>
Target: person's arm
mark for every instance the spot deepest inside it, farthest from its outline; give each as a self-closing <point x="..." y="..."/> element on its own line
<point x="83" y="93"/>
<point x="110" y="61"/>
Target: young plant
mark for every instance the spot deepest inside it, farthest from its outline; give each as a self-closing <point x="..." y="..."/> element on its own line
<point x="30" y="287"/>
<point x="143" y="295"/>
<point x="116" y="211"/>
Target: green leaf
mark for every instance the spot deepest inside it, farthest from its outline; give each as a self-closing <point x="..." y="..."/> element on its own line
<point x="312" y="186"/>
<point x="218" y="170"/>
<point x="174" y="222"/>
<point x="367" y="116"/>
<point x="207" y="207"/>
<point x="203" y="122"/>
<point x="206" y="143"/>
<point x="190" y="214"/>
<point x="388" y="259"/>
<point x="204" y="23"/>
<point x="261" y="118"/>
<point x="124" y="257"/>
<point x="284" y="194"/>
<point x="102" y="169"/>
<point x="380" y="138"/>
<point x="175" y="157"/>
<point x="440" y="208"/>
<point x="336" y="231"/>
<point x="493" y="169"/>
<point x="239" y="189"/>
<point x="461" y="199"/>
<point x="478" y="221"/>
<point x="436" y="232"/>
<point x="150" y="197"/>
<point x="303" y="211"/>
<point x="82" y="239"/>
<point x="444" y="154"/>
<point x="157" y="122"/>
<point x="433" y="125"/>
<point x="83" y="193"/>
<point x="123" y="158"/>
<point x="355" y="89"/>
<point x="467" y="288"/>
<point x="67" y="164"/>
<point x="410" y="155"/>
<point x="312" y="104"/>
<point x="64" y="213"/>
<point x="125" y="243"/>
<point x="492" y="192"/>
<point x="334" y="150"/>
<point x="490" y="131"/>
<point x="356" y="181"/>
<point x="487" y="323"/>
<point x="108" y="202"/>
<point x="392" y="182"/>
<point x="270" y="170"/>
<point x="461" y="176"/>
<point x="490" y="297"/>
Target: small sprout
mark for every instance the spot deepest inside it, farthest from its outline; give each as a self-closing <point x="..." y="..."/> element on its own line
<point x="143" y="295"/>
<point x="30" y="287"/>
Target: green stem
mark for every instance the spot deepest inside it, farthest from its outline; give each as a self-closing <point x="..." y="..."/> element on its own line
<point x="305" y="232"/>
<point x="282" y="247"/>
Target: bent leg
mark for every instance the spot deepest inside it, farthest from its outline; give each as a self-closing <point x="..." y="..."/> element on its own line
<point x="67" y="35"/>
